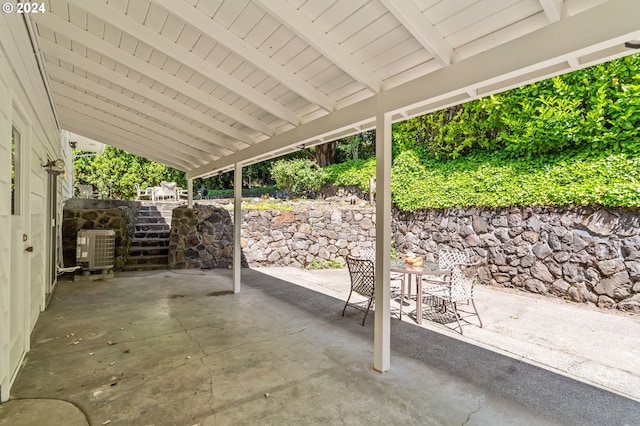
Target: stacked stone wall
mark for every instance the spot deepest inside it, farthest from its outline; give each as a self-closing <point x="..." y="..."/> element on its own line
<point x="584" y="254"/>
<point x="201" y="237"/>
<point x="119" y="219"/>
<point x="300" y="237"/>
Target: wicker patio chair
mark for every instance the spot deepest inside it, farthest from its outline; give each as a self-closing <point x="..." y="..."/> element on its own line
<point x="363" y="280"/>
<point x="447" y="259"/>
<point x="459" y="290"/>
<point x="369" y="253"/>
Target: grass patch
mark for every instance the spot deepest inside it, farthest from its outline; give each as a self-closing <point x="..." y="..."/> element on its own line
<point x="324" y="264"/>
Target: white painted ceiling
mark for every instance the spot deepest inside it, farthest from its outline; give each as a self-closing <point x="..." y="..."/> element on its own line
<point x="202" y="84"/>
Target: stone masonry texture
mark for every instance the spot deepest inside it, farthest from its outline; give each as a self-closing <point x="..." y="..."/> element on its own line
<point x="583" y="254"/>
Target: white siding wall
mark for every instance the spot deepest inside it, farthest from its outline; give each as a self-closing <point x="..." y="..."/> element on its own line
<point x="5" y="225"/>
<point x="21" y="87"/>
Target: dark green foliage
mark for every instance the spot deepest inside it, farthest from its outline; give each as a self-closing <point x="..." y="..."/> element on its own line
<point x="300" y="176"/>
<point x="114" y="173"/>
<point x="352" y="173"/>
<point x="451" y="132"/>
<point x="356" y="147"/>
<point x="597" y="108"/>
<point x="492" y="180"/>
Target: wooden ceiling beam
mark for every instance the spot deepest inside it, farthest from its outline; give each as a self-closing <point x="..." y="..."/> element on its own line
<point x="147" y="36"/>
<point x="131" y="123"/>
<point x="301" y="26"/>
<point x="91" y="127"/>
<point x="85" y="38"/>
<point x="238" y="139"/>
<point x="187" y="13"/>
<point x="133" y="104"/>
<point x="422" y="30"/>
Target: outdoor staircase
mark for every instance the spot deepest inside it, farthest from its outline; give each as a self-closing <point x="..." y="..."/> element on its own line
<point x="150" y="244"/>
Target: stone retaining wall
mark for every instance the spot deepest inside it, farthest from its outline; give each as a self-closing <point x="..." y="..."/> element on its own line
<point x="585" y="254"/>
<point x="202" y="237"/>
<point x="82" y="216"/>
<point x="303" y="236"/>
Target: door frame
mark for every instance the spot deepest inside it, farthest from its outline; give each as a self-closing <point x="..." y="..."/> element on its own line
<point x="20" y="280"/>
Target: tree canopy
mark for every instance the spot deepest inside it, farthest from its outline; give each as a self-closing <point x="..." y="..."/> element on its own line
<point x="594" y="109"/>
<point x="560" y="134"/>
<point x="114" y="172"/>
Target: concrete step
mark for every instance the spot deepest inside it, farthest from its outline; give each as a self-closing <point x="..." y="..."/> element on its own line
<point x="153" y="213"/>
<point x="149" y="212"/>
<point x="145" y="267"/>
<point x="148" y="250"/>
<point x="141" y="261"/>
<point x="150" y="242"/>
<point x="151" y="220"/>
<point x="152" y="227"/>
<point x="151" y="234"/>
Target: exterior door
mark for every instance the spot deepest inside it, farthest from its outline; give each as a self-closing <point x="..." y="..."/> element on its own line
<point x="19" y="276"/>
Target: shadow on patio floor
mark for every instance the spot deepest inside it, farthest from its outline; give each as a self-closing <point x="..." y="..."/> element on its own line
<point x="169" y="347"/>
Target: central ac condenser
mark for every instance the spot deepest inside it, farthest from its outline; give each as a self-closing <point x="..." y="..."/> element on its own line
<point x="95" y="249"/>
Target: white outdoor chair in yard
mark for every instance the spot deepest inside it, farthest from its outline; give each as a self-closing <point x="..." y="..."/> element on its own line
<point x="85" y="191"/>
<point x="147" y="194"/>
<point x="458" y="291"/>
<point x="363" y="280"/>
<point x="166" y="190"/>
<point x="447" y="259"/>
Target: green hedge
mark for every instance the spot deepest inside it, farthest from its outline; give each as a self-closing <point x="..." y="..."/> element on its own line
<point x="298" y="176"/>
<point x="496" y="180"/>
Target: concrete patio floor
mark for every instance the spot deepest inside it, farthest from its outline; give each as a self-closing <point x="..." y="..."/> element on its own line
<point x="176" y="348"/>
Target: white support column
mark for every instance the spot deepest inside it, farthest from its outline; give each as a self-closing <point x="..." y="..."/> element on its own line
<point x="382" y="333"/>
<point x="190" y="193"/>
<point x="237" y="226"/>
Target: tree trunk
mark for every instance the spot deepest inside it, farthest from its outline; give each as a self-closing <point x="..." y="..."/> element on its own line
<point x="326" y="153"/>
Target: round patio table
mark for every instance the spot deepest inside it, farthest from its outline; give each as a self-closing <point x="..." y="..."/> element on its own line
<point x="408" y="271"/>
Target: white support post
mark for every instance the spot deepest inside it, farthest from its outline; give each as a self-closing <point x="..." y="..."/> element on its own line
<point x="382" y="332"/>
<point x="237" y="226"/>
<point x="189" y="193"/>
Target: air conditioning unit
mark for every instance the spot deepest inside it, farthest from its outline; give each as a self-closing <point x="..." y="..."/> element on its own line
<point x="95" y="249"/>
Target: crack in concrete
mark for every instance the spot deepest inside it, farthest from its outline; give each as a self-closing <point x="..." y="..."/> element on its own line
<point x="205" y="354"/>
<point x="471" y="414"/>
<point x="253" y="342"/>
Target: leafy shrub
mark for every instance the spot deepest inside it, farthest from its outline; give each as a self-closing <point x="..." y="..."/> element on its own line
<point x="497" y="180"/>
<point x="299" y="176"/>
<point x="352" y="173"/>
